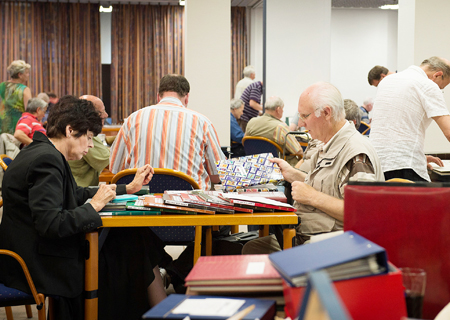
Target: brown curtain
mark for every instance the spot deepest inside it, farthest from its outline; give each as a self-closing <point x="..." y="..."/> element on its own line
<point x="147" y="42"/>
<point x="61" y="42"/>
<point x="238" y="45"/>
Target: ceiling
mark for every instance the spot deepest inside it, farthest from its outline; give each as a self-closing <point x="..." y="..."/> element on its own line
<point x="240" y="3"/>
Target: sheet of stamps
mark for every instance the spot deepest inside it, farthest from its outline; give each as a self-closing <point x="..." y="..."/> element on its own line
<point x="247" y="171"/>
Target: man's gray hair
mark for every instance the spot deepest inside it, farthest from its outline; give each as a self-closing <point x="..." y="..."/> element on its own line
<point x="34" y="104"/>
<point x="436" y="64"/>
<point x="248" y="71"/>
<point x="352" y="112"/>
<point x="236" y="104"/>
<point x="367" y="101"/>
<point x="325" y="94"/>
<point x="273" y="103"/>
<point x="44" y="97"/>
<point x="16" y="67"/>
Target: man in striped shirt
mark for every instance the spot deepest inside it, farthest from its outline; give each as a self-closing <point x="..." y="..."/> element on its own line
<point x="168" y="135"/>
<point x="271" y="127"/>
<point x="252" y="101"/>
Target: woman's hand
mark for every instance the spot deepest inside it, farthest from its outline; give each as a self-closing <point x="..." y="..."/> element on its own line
<point x="143" y="176"/>
<point x="105" y="193"/>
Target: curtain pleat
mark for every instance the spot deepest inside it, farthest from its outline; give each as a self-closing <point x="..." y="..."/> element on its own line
<point x="146" y="43"/>
<point x="61" y="42"/>
<point x="238" y="45"/>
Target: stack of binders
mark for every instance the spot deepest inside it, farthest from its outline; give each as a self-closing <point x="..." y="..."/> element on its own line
<point x="368" y="285"/>
<point x="235" y="275"/>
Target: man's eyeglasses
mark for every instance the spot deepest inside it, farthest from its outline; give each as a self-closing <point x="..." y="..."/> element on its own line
<point x="303" y="117"/>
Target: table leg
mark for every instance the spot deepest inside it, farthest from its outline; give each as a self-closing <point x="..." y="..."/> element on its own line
<point x="208" y="241"/>
<point x="91" y="278"/>
<point x="234" y="229"/>
<point x="288" y="235"/>
<point x="197" y="243"/>
<point x="264" y="232"/>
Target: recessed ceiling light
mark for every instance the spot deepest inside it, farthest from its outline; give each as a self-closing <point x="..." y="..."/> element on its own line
<point x="389" y="7"/>
<point x="182" y="2"/>
<point x="103" y="9"/>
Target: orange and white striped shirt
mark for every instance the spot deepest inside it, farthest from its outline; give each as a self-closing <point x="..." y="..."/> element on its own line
<point x="168" y="135"/>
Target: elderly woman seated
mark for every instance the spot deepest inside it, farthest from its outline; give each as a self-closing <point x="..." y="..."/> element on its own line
<point x="45" y="218"/>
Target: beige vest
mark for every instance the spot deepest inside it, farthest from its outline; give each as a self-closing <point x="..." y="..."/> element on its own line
<point x="347" y="144"/>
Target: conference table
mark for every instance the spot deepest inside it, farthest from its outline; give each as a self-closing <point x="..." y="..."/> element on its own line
<point x="199" y="221"/>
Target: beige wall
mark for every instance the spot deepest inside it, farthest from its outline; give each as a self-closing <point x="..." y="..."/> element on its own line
<point x="208" y="62"/>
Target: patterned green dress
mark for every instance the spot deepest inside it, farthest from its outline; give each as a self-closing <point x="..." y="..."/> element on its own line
<point x="11" y="105"/>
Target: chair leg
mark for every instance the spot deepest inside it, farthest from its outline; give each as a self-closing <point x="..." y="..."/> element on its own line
<point x="9" y="315"/>
<point x="28" y="310"/>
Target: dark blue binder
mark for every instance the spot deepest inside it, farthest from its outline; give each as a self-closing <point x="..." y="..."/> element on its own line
<point x="365" y="258"/>
<point x="264" y="309"/>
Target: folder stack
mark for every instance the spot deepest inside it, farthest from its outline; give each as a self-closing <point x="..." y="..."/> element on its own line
<point x="235" y="275"/>
<point x="369" y="286"/>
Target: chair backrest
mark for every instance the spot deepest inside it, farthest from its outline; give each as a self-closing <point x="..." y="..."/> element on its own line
<point x="257" y="145"/>
<point x="302" y="138"/>
<point x="411" y="221"/>
<point x="165" y="179"/>
<point x="400" y="180"/>
<point x="5" y="161"/>
<point x="13" y="297"/>
<point x="364" y="128"/>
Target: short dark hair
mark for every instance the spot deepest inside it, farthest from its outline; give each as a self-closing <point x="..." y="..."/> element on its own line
<point x="174" y="83"/>
<point x="80" y="114"/>
<point x="375" y="73"/>
<point x="51" y="95"/>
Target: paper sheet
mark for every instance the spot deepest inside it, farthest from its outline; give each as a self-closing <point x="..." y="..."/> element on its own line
<point x="209" y="307"/>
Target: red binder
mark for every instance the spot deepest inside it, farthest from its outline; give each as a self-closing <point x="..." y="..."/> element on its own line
<point x="369" y="298"/>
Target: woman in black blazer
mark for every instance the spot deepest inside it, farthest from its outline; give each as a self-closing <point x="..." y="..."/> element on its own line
<point x="45" y="216"/>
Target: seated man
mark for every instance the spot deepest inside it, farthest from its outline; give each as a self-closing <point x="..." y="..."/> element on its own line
<point x="30" y="122"/>
<point x="271" y="127"/>
<point x="344" y="155"/>
<point x="169" y="135"/>
<point x="87" y="170"/>
<point x="365" y="109"/>
<point x="236" y="133"/>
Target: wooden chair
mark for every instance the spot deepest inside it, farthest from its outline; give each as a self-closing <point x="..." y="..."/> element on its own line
<point x="12" y="297"/>
<point x="257" y="145"/>
<point x="5" y="161"/>
<point x="165" y="179"/>
<point x="364" y="128"/>
<point x="301" y="136"/>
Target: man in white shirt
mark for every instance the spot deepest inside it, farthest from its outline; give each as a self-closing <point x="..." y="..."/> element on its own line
<point x="249" y="77"/>
<point x="404" y="106"/>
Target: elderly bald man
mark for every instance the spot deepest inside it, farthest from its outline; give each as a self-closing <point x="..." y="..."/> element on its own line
<point x="87" y="170"/>
<point x="345" y="155"/>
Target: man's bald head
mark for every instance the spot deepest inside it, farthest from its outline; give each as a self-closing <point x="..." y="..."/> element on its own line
<point x="98" y="104"/>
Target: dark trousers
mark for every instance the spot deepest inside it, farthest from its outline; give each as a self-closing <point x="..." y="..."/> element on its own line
<point x="68" y="308"/>
<point x="409" y="174"/>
